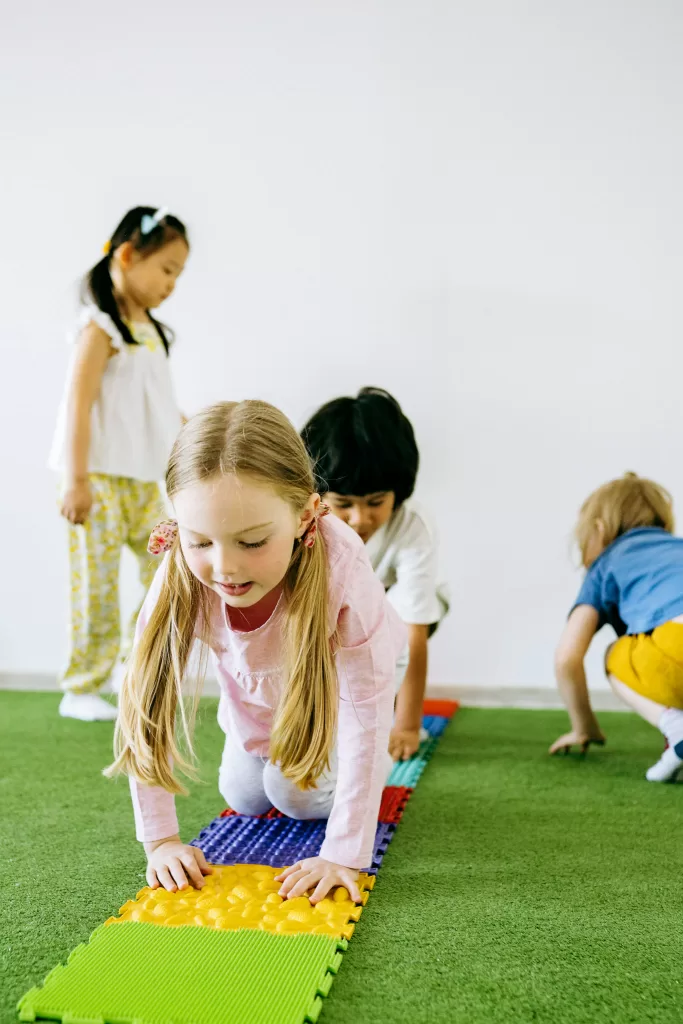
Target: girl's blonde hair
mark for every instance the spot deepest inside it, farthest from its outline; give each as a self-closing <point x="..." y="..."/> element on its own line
<point x="622" y="505"/>
<point x="256" y="439"/>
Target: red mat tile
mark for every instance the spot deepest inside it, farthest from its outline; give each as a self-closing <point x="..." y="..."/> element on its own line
<point x="445" y="708"/>
<point x="394" y="800"/>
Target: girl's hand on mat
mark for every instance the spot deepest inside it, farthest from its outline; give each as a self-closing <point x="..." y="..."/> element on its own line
<point x="403" y="743"/>
<point x="77" y="502"/>
<point x="318" y="874"/>
<point x="174" y="866"/>
<point x="577" y="739"/>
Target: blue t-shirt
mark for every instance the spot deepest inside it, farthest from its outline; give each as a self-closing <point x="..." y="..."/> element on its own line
<point x="636" y="584"/>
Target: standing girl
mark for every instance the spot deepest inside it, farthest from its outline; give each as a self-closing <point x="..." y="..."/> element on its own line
<point x="303" y="639"/>
<point x="117" y="423"/>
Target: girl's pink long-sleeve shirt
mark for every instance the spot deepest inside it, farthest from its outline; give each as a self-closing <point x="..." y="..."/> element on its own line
<point x="249" y="667"/>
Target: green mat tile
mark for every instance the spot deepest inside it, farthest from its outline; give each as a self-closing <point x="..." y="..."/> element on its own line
<point x="146" y="974"/>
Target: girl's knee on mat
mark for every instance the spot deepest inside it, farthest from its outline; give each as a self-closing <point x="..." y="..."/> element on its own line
<point x="249" y="800"/>
<point x="301" y="804"/>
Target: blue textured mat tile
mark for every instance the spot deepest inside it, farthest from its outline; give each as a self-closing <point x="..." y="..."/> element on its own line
<point x="407" y="773"/>
<point x="435" y="724"/>
<point x="275" y="842"/>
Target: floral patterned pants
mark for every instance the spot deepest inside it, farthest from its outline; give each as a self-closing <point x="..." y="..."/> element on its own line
<point x="124" y="513"/>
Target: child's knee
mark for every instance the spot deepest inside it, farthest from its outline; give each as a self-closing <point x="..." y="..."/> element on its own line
<point x="249" y="799"/>
<point x="292" y="809"/>
<point x="251" y="804"/>
<point x="286" y="797"/>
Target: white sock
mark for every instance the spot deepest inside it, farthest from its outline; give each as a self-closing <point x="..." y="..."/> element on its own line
<point x="671" y="761"/>
<point x="87" y="707"/>
<point x="666" y="769"/>
<point x="671" y="725"/>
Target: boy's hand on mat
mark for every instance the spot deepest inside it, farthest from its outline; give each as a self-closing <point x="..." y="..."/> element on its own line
<point x="318" y="874"/>
<point x="403" y="743"/>
<point x="577" y="739"/>
<point x="77" y="502"/>
<point x="174" y="866"/>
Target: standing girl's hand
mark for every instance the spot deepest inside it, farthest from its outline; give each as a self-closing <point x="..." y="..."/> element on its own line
<point x="174" y="865"/>
<point x="93" y="353"/>
<point x="321" y="874"/>
<point x="77" y="502"/>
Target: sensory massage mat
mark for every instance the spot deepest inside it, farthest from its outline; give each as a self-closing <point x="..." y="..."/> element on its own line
<point x="234" y="951"/>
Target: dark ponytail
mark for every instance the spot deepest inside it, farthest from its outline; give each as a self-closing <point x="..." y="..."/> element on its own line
<point x="98" y="286"/>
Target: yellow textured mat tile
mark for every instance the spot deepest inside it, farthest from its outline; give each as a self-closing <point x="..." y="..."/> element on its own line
<point x="246" y="896"/>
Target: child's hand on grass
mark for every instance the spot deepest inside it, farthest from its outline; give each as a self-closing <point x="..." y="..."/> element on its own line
<point x="318" y="874"/>
<point x="576" y="738"/>
<point x="174" y="866"/>
<point x="403" y="743"/>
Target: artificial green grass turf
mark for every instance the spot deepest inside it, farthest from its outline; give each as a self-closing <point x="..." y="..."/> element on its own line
<point x="518" y="888"/>
<point x="67" y="838"/>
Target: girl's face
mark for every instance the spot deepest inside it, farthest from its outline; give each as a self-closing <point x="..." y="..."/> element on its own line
<point x="364" y="515"/>
<point x="149" y="280"/>
<point x="237" y="535"/>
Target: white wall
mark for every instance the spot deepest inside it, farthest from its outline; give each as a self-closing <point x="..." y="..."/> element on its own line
<point x="477" y="206"/>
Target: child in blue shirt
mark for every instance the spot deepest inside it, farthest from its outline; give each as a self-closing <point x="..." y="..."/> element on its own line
<point x="634" y="583"/>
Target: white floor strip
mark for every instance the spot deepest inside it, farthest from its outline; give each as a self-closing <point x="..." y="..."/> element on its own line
<point x="469" y="696"/>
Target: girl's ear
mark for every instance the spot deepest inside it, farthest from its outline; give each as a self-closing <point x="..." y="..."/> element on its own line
<point x="600" y="530"/>
<point x="124" y="255"/>
<point x="309" y="512"/>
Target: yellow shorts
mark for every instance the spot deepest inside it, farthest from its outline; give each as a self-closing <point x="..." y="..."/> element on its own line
<point x="651" y="663"/>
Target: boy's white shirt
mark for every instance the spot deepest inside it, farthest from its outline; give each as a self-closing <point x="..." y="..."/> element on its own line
<point x="404" y="554"/>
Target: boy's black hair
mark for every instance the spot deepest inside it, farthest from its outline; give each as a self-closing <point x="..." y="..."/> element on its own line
<point x="97" y="284"/>
<point x="363" y="445"/>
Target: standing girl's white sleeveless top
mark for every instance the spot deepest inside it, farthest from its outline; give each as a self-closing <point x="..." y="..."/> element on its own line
<point x="135" y="417"/>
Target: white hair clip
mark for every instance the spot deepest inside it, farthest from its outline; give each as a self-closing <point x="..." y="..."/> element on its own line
<point x="148" y="223"/>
